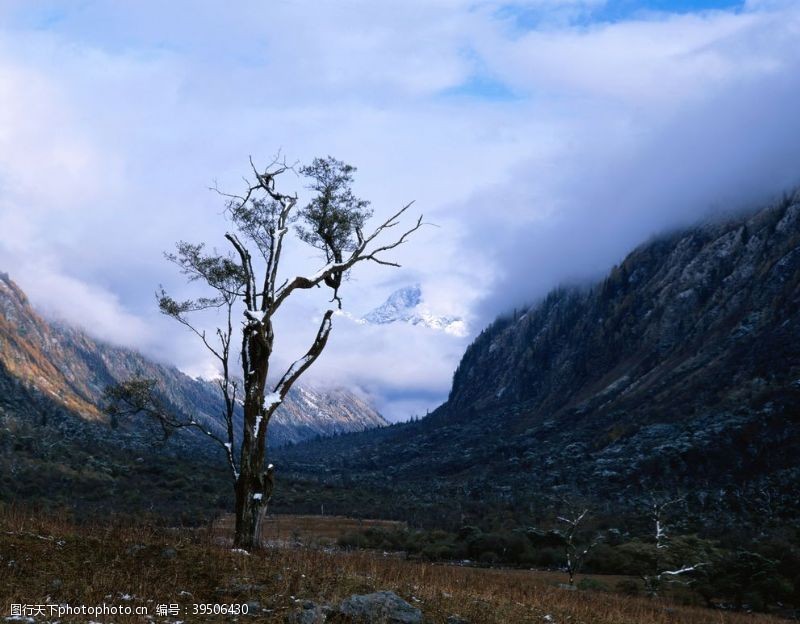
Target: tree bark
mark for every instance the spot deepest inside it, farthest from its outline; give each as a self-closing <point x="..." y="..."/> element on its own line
<point x="251" y="506"/>
<point x="246" y="513"/>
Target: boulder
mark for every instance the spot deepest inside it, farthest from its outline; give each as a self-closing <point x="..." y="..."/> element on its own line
<point x="383" y="607"/>
<point x="309" y="613"/>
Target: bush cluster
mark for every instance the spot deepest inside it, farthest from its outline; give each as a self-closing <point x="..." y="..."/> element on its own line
<point x="762" y="576"/>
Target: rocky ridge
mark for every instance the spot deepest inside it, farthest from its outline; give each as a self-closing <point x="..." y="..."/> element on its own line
<point x="678" y="372"/>
<point x="73" y="369"/>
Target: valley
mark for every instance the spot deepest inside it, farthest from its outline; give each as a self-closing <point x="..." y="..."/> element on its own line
<point x="50" y="560"/>
<point x="672" y="379"/>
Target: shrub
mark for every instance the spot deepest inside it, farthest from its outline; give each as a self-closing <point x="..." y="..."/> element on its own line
<point x="353" y="539"/>
<point x="628" y="587"/>
<point x="588" y="584"/>
<point x="605" y="559"/>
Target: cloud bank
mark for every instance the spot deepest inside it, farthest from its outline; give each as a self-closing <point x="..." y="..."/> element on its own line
<point x="544" y="139"/>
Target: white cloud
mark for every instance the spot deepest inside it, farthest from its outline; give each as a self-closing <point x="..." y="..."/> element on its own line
<point x="658" y="62"/>
<point x="114" y="119"/>
<point x="82" y="305"/>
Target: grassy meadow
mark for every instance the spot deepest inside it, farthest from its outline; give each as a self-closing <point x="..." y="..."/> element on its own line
<point x="48" y="559"/>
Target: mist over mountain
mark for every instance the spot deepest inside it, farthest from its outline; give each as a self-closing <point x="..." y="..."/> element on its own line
<point x="64" y="363"/>
<point x="58" y="447"/>
<point x="678" y="372"/>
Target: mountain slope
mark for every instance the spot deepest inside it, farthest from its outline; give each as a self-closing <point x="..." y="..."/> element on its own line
<point x="680" y="371"/>
<point x="73" y="369"/>
<point x="708" y="312"/>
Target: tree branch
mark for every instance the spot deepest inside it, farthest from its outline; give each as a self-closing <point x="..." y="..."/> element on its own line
<point x="247" y="267"/>
<point x="359" y="254"/>
<point x="138" y="396"/>
<point x="169" y="307"/>
<point x="298" y="367"/>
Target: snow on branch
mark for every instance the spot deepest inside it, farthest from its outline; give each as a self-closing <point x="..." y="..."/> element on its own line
<point x="683" y="570"/>
<point x="360" y="253"/>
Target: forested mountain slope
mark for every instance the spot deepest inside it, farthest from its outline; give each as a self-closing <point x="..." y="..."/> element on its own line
<point x="53" y="430"/>
<point x="73" y="368"/>
<point x="680" y="371"/>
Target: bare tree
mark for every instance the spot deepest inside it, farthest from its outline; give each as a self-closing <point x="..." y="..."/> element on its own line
<point x="248" y="281"/>
<point x="669" y="557"/>
<point x="575" y="543"/>
<point x="575" y="552"/>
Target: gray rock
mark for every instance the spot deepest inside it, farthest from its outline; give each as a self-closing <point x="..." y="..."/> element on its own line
<point x="383" y="607"/>
<point x="310" y="613"/>
<point x="134" y="549"/>
<point x="169" y="553"/>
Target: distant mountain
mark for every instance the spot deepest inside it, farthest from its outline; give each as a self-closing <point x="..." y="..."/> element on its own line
<point x="58" y="449"/>
<point x="406" y="305"/>
<point x="309" y="412"/>
<point x="679" y="372"/>
<point x="72" y="368"/>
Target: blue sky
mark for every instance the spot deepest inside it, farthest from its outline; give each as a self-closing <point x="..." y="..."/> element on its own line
<point x="620" y="10"/>
<point x="545" y="138"/>
<point x="532" y="15"/>
<point x="627" y="8"/>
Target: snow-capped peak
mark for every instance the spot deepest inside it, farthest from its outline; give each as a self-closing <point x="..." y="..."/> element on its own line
<point x="399" y="304"/>
<point x="405" y="304"/>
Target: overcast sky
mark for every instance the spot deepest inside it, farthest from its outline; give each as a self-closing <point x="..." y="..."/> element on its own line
<point x="544" y="138"/>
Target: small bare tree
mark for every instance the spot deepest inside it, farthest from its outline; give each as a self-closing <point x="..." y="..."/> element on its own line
<point x="248" y="278"/>
<point x="669" y="557"/>
<point x="568" y="537"/>
<point x="575" y="552"/>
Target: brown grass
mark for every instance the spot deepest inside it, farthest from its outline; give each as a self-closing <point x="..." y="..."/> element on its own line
<point x="49" y="560"/>
<point x="307" y="529"/>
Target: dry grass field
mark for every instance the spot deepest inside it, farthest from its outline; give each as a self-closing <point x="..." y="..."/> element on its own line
<point x="48" y="560"/>
<point x="309" y="530"/>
